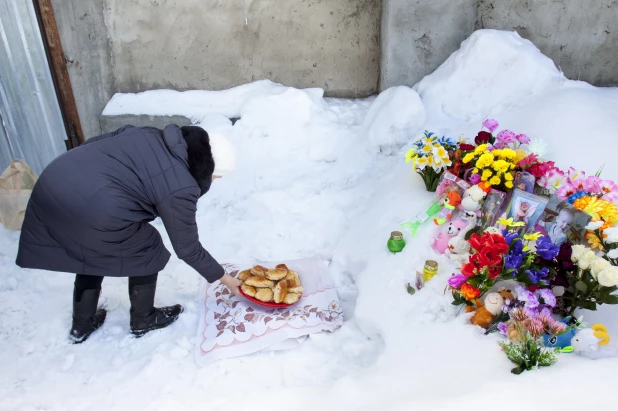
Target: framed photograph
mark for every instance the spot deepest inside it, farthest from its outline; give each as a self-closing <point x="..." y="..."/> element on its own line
<point x="449" y="182"/>
<point x="562" y="222"/>
<point x="492" y="206"/>
<point x="527" y="208"/>
<point x="524" y="181"/>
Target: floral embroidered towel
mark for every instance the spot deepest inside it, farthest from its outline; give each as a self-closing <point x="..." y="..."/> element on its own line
<point x="233" y="326"/>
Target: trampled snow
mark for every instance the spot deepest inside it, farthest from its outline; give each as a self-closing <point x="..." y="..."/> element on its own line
<point x="323" y="177"/>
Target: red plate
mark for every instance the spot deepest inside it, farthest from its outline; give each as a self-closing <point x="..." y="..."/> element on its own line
<point x="273" y="305"/>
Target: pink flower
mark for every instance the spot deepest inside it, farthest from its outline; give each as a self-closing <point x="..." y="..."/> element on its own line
<point x="528" y="161"/>
<point x="457" y="280"/>
<point x="574" y="175"/>
<point x="566" y="190"/>
<point x="553" y="179"/>
<point x="522" y="138"/>
<point x="591" y="184"/>
<point x="613" y="197"/>
<point x="506" y="136"/>
<point x="475" y="179"/>
<point x="491" y="124"/>
<point x="497" y="145"/>
<point x="608" y="186"/>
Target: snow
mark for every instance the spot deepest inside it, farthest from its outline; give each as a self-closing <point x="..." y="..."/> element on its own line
<point x="323" y="177"/>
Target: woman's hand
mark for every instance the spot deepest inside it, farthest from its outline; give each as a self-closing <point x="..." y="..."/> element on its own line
<point x="232" y="284"/>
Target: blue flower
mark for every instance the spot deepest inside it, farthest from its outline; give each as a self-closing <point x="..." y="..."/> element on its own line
<point x="574" y="197"/>
<point x="536" y="276"/>
<point x="513" y="262"/>
<point x="509" y="236"/>
<point x="545" y="249"/>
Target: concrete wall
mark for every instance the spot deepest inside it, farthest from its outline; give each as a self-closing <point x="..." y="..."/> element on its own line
<point x="581" y="36"/>
<point x="419" y="35"/>
<point x="137" y="45"/>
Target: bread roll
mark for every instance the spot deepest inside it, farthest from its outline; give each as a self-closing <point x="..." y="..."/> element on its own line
<point x="259" y="271"/>
<point x="247" y="289"/>
<point x="297" y="290"/>
<point x="259" y="282"/>
<point x="281" y="290"/>
<point x="264" y="295"/>
<point x="276" y="274"/>
<point x="293" y="279"/>
<point x="291" y="298"/>
<point x="243" y="275"/>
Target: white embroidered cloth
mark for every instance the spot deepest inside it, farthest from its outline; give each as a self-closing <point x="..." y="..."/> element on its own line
<point x="233" y="326"/>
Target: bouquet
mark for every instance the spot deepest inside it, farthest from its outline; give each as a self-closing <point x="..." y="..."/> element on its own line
<point x="430" y="156"/>
<point x="492" y="167"/>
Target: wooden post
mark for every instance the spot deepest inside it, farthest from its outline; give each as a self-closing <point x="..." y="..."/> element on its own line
<point x="60" y="74"/>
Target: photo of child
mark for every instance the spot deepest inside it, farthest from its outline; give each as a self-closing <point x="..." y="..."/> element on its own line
<point x="491" y="208"/>
<point x="562" y="222"/>
<point x="524" y="181"/>
<point x="527" y="208"/>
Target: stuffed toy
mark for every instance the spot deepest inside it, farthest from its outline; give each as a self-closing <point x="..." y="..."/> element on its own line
<point x="458" y="248"/>
<point x="472" y="199"/>
<point x="449" y="203"/>
<point x="485" y="313"/>
<point x="456" y="228"/>
<point x="592" y="343"/>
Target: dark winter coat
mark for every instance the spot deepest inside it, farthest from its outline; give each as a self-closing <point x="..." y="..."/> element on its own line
<point x="90" y="209"/>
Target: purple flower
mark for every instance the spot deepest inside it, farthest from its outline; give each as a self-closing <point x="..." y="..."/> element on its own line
<point x="513" y="262"/>
<point x="522" y="138"/>
<point x="506" y="136"/>
<point x="509" y="236"/>
<point x="503" y="328"/>
<point x="475" y="179"/>
<point x="457" y="280"/>
<point x="491" y="124"/>
<point x="498" y="145"/>
<point x="545" y="249"/>
<point x="537" y="276"/>
<point x="546" y="297"/>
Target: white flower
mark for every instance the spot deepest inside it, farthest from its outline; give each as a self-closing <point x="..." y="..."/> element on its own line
<point x="597" y="266"/>
<point x="586" y="259"/>
<point x="612" y="235"/>
<point x="609" y="276"/>
<point x="577" y="251"/>
<point x="613" y="254"/>
<point x="594" y="225"/>
<point x="538" y="146"/>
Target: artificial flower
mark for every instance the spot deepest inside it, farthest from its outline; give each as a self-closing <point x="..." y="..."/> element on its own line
<point x="466" y="147"/>
<point x="532" y="236"/>
<point x="586" y="259"/>
<point x="609" y="276"/>
<point x="522" y="138"/>
<point x="546" y="297"/>
<point x="506" y="137"/>
<point x="537" y="276"/>
<point x="469" y="292"/>
<point x="546" y="249"/>
<point x="494" y="272"/>
<point x="598" y="265"/>
<point x="528" y="297"/>
<point x="508" y="222"/>
<point x="468" y="157"/>
<point x="468" y="269"/>
<point x="486" y="175"/>
<point x="503" y="327"/>
<point x="513" y="261"/>
<point x="457" y="280"/>
<point x="577" y="251"/>
<point x="611" y="235"/>
<point x="495" y="180"/>
<point x="485" y="160"/>
<point x="594" y="240"/>
<point x="491" y="124"/>
<point x="594" y="225"/>
<point x="508" y="184"/>
<point x="538" y="146"/>
<point x="508" y="177"/>
<point x="483" y="137"/>
<point x="474" y="179"/>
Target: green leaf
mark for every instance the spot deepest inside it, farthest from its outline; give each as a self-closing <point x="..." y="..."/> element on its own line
<point x="581" y="286"/>
<point x="588" y="305"/>
<point x="609" y="299"/>
<point x="411" y="290"/>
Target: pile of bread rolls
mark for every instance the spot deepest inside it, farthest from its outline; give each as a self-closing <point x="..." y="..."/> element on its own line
<point x="279" y="285"/>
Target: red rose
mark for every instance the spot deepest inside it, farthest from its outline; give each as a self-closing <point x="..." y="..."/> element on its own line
<point x="494" y="272"/>
<point x="466" y="147"/>
<point x="483" y="137"/>
<point x="533" y="288"/>
<point x="468" y="269"/>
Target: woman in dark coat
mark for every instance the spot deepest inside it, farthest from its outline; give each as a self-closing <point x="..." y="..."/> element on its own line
<point x="90" y="210"/>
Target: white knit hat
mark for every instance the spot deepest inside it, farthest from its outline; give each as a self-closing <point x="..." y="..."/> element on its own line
<point x="223" y="153"/>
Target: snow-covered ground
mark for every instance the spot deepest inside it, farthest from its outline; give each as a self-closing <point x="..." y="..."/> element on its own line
<point x="323" y="177"/>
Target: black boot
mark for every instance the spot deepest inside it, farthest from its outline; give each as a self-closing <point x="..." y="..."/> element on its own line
<point x="144" y="317"/>
<point x="86" y="317"/>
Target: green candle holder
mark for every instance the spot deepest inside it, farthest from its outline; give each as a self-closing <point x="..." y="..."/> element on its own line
<point x="396" y="243"/>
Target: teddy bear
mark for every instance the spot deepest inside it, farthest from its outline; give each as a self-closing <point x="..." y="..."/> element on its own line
<point x="440" y="242"/>
<point x="458" y="249"/>
<point x="487" y="311"/>
<point x="449" y="204"/>
<point x="472" y="199"/>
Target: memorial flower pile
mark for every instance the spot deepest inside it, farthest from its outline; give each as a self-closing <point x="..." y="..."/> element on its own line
<point x="431" y="156"/>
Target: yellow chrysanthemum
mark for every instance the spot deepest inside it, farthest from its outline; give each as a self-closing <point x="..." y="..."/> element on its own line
<point x="508" y="154"/>
<point x="485" y="160"/>
<point x="501" y="166"/>
<point x="480" y="149"/>
<point x="468" y="157"/>
<point x="508" y="177"/>
<point x="475" y="171"/>
<point x="497" y="152"/>
<point x="486" y="175"/>
<point x="495" y="180"/>
<point x="591" y="206"/>
<point x="508" y="184"/>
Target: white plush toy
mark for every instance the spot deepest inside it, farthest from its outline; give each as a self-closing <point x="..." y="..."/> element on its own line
<point x="592" y="343"/>
<point x="472" y="198"/>
<point x="458" y="248"/>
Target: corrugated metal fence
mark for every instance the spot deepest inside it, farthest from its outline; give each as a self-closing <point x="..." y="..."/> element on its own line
<point x="31" y="124"/>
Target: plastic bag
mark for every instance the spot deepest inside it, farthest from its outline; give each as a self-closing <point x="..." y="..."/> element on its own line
<point x="16" y="184"/>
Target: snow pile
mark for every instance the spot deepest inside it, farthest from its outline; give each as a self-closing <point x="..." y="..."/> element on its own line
<point x="492" y="71"/>
<point x="322" y="177"/>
